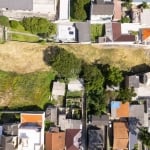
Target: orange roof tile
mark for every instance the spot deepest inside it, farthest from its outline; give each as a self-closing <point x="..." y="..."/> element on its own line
<point x="121" y="137"/>
<point x="38" y="118"/>
<point x="117" y="10"/>
<point x="55" y="141"/>
<point x="123" y="110"/>
<point x="145" y="34"/>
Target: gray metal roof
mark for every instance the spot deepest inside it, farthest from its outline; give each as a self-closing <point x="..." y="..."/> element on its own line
<point x="100" y="120"/>
<point x="17" y="4"/>
<point x="132" y="81"/>
<point x="83" y="31"/>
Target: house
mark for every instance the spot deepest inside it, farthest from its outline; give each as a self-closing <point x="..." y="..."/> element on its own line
<point x="119" y="110"/>
<point x="75" y="85"/>
<point x="65" y="123"/>
<point x="137" y="119"/>
<point x="73" y="139"/>
<point x="31" y="131"/>
<point x="51" y="114"/>
<point x="144" y="36"/>
<point x="140" y="83"/>
<point x="17" y="9"/>
<point x="9" y="136"/>
<point x="95" y="138"/>
<point x="66" y="32"/>
<point x="143" y="17"/>
<point x="101" y="11"/>
<point x="120" y="136"/>
<point x="83" y="32"/>
<point x="58" y="90"/>
<point x="113" y="33"/>
<point x="64" y="10"/>
<point x="55" y="140"/>
<point x="117" y="10"/>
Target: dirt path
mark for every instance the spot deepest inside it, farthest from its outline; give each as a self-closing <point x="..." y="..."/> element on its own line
<point x="22" y="57"/>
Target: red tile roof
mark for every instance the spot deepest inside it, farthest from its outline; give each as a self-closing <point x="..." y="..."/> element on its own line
<point x="145" y="33"/>
<point x="117" y="10"/>
<point x="70" y="134"/>
<point x="55" y="141"/>
<point x="121" y="137"/>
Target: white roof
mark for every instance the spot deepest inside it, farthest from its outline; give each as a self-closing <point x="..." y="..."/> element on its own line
<point x="75" y="85"/>
<point x="64" y="9"/>
<point x="127" y="27"/>
<point x="144" y="17"/>
<point x="66" y="32"/>
<point x="58" y="89"/>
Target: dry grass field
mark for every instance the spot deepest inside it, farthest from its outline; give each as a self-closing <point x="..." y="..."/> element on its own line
<point x="28" y="57"/>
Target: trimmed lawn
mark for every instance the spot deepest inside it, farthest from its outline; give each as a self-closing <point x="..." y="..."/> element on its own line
<point x="97" y="30"/>
<point x="24" y="38"/>
<point x="20" y="91"/>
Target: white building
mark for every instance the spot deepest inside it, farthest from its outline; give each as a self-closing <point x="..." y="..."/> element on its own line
<point x="31" y="132"/>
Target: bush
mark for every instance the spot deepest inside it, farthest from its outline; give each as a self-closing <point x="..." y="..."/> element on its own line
<point x="4" y="21"/>
<point x="14" y="24"/>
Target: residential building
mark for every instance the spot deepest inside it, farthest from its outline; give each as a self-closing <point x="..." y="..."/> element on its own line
<point x="139" y="2"/>
<point x="95" y="138"/>
<point x="137" y="119"/>
<point x="101" y="11"/>
<point x="144" y="36"/>
<point x="120" y="136"/>
<point x="143" y="17"/>
<point x="17" y="9"/>
<point x="119" y="110"/>
<point x="51" y="114"/>
<point x="31" y="131"/>
<point x="58" y="90"/>
<point x="66" y="32"/>
<point x="113" y="33"/>
<point x="55" y="140"/>
<point x="75" y="85"/>
<point x="117" y="10"/>
<point x="73" y="139"/>
<point x="83" y="32"/>
<point x="9" y="136"/>
<point x="64" y="10"/>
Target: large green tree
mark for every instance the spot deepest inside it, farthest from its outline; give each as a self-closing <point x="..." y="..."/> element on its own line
<point x="64" y="62"/>
<point x="79" y="12"/>
<point x="114" y="76"/>
<point x="37" y="25"/>
<point x="94" y="80"/>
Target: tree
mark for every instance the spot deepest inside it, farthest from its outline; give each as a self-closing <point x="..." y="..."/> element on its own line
<point x="145" y="5"/>
<point x="125" y="19"/>
<point x="78" y="10"/>
<point x="4" y="21"/>
<point x="114" y="76"/>
<point x="65" y="63"/>
<point x="37" y="25"/>
<point x="126" y="94"/>
<point x="144" y="136"/>
<point x="94" y="80"/>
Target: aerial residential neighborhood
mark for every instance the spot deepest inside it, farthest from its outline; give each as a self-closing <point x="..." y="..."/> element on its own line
<point x="74" y="75"/>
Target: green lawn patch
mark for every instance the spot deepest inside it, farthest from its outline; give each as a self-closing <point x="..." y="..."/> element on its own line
<point x="74" y="94"/>
<point x="22" y="91"/>
<point x="97" y="30"/>
<point x="23" y="38"/>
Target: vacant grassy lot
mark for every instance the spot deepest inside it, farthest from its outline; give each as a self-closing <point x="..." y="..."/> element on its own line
<point x="119" y="56"/>
<point x="31" y="89"/>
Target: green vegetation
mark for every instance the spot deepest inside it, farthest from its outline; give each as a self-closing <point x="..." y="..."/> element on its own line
<point x="48" y="124"/>
<point x="24" y="38"/>
<point x="80" y="9"/>
<point x="144" y="136"/>
<point x="74" y="94"/>
<point x="145" y="5"/>
<point x="20" y="91"/>
<point x="65" y="63"/>
<point x="125" y="19"/>
<point x="4" y="21"/>
<point x="37" y="25"/>
<point x="97" y="30"/>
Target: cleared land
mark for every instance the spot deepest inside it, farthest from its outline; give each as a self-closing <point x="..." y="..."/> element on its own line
<point x="19" y="91"/>
<point x="31" y="89"/>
